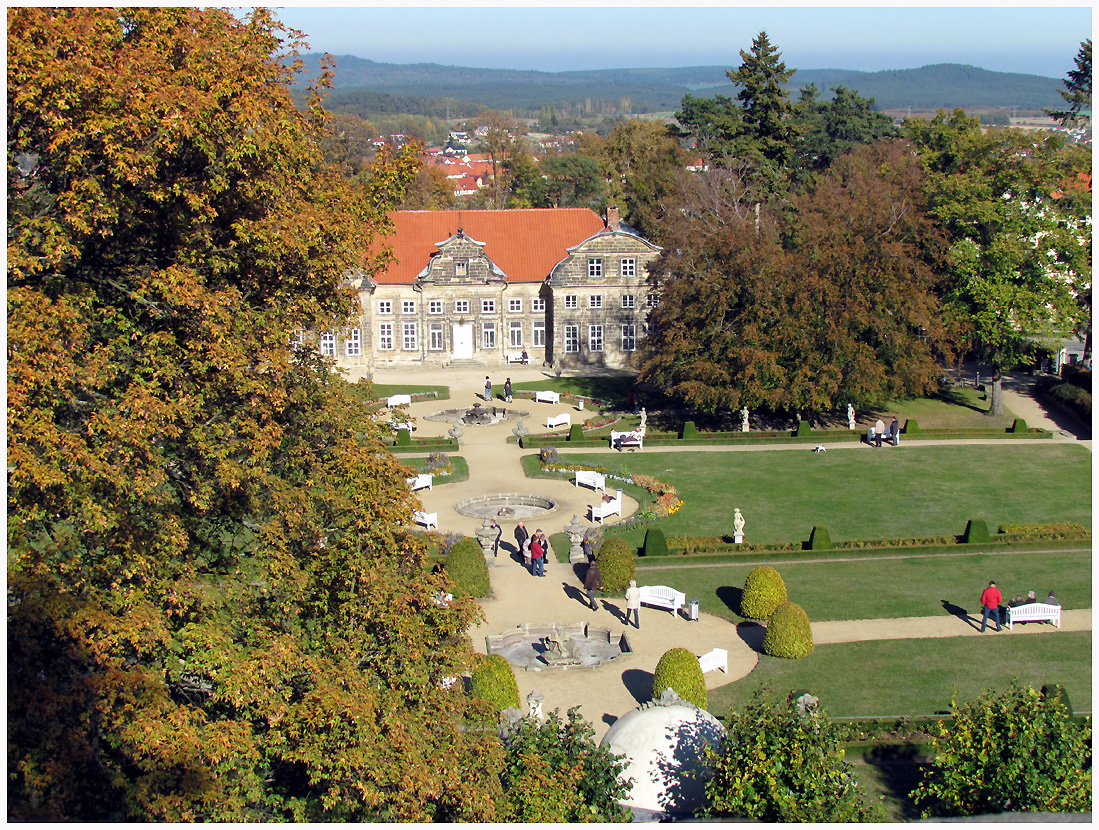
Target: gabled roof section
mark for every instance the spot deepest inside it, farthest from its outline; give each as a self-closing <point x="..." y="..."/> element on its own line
<point x="523" y="244"/>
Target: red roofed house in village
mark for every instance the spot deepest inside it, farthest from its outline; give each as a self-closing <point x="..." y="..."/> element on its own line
<point x="479" y="286"/>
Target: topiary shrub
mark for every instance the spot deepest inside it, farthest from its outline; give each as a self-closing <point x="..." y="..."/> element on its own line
<point x="911" y="427"/>
<point x="803" y="429"/>
<point x="788" y="634"/>
<point x="764" y="591"/>
<point x="976" y="531"/>
<point x="576" y="433"/>
<point x="494" y="682"/>
<point x="655" y="544"/>
<point x="404" y="438"/>
<point x="819" y="539"/>
<point x="465" y="565"/>
<point x="679" y="671"/>
<point x="689" y="430"/>
<point x="1018" y="425"/>
<point x="616" y="561"/>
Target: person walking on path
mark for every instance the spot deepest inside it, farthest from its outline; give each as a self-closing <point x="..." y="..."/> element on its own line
<point x="593" y="581"/>
<point x="633" y="604"/>
<point x="496" y="542"/>
<point x="507" y="390"/>
<point x="894" y="432"/>
<point x="521" y="536"/>
<point x="538" y="562"/>
<point x="488" y="389"/>
<point x="990" y="604"/>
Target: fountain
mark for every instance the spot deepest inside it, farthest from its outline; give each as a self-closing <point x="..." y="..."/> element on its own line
<point x="477" y="415"/>
<point x="510" y="506"/>
<point x="541" y="646"/>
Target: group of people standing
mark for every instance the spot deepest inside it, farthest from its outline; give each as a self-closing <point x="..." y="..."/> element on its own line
<point x="488" y="389"/>
<point x="878" y="431"/>
<point x="991" y="599"/>
<point x="534" y="548"/>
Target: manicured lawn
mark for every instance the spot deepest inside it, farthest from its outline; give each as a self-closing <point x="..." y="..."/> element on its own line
<point x="613" y="391"/>
<point x="913" y="586"/>
<point x="459" y="469"/>
<point x="384" y="390"/>
<point x="961" y="408"/>
<point x="909" y="491"/>
<point x="907" y="678"/>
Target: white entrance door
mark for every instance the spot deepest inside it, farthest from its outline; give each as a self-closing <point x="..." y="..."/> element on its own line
<point x="462" y="341"/>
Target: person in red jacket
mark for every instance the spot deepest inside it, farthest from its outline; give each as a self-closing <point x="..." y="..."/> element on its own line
<point x="990" y="604"/>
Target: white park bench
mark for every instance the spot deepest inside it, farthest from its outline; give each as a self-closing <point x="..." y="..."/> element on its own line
<point x="661" y="596"/>
<point x="562" y="420"/>
<point x="1033" y="611"/>
<point x="419" y="482"/>
<point x="603" y="509"/>
<point x="517" y="357"/>
<point x="592" y="479"/>
<point x="627" y="439"/>
<point x="547" y="397"/>
<point x="425" y="519"/>
<point x="713" y="660"/>
<point x="398" y="400"/>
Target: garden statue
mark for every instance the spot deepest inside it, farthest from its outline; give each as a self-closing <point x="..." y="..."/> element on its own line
<point x="644" y="416"/>
<point x="534" y="704"/>
<point x="850" y="416"/>
<point x="738" y="526"/>
<point x="744" y="419"/>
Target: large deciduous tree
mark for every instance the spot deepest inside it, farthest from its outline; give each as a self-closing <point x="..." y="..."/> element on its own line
<point x="213" y="610"/>
<point x="1020" y="251"/>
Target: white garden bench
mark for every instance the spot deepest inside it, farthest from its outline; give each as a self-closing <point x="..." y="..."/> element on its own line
<point x="562" y="420"/>
<point x="715" y="659"/>
<point x="592" y="479"/>
<point x="517" y="357"/>
<point x="661" y="596"/>
<point x="425" y="519"/>
<point x="398" y="400"/>
<point x="603" y="509"/>
<point x="627" y="439"/>
<point x="547" y="397"/>
<point x="1033" y="611"/>
<point x="419" y="482"/>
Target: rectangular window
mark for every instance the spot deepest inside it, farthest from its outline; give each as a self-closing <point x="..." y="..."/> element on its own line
<point x="515" y="334"/>
<point x="435" y="340"/>
<point x="629" y="267"/>
<point x="354" y="343"/>
<point x="385" y="306"/>
<point x="408" y="306"/>
<point x="595" y="301"/>
<point x="539" y="334"/>
<point x="538" y="305"/>
<point x="595" y="338"/>
<point x="461" y="267"/>
<point x="572" y="301"/>
<point x="629" y="301"/>
<point x="488" y="306"/>
<point x="595" y="268"/>
<point x="653" y="300"/>
<point x="572" y="338"/>
<point x="488" y="335"/>
<point x="629" y="337"/>
<point x="515" y="306"/>
<point x="461" y="306"/>
<point x="328" y="344"/>
<point x="434" y="306"/>
<point x="408" y="337"/>
<point x="297" y="339"/>
<point x="385" y="337"/>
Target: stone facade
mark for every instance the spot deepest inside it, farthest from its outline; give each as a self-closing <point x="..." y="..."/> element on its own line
<point x="580" y="299"/>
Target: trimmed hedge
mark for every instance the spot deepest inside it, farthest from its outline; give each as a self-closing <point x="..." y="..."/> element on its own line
<point x="976" y="531"/>
<point x="764" y="591"/>
<point x="819" y="539"/>
<point x="804" y="429"/>
<point x="616" y="561"/>
<point x="789" y="634"/>
<point x="655" y="544"/>
<point x="1018" y="425"/>
<point x="689" y="430"/>
<point x="425" y="445"/>
<point x="576" y="433"/>
<point x="465" y="565"/>
<point x="493" y="681"/>
<point x="404" y="437"/>
<point x="679" y="670"/>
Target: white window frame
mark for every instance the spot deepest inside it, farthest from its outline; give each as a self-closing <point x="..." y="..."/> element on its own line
<point x="297" y="339"/>
<point x="572" y="339"/>
<point x="515" y="334"/>
<point x="385" y="337"/>
<point x="572" y="301"/>
<point x="515" y="306"/>
<point x="461" y="268"/>
<point x="538" y="334"/>
<point x="409" y="337"/>
<point x="595" y="268"/>
<point x="408" y="306"/>
<point x="461" y="306"/>
<point x="595" y="338"/>
<point x="653" y="300"/>
<point x="434" y="306"/>
<point x="595" y="301"/>
<point x="385" y="306"/>
<point x="488" y="306"/>
<point x="353" y="345"/>
<point x="328" y="344"/>
<point x="436" y="338"/>
<point x="629" y="301"/>
<point x="629" y="337"/>
<point x="488" y="335"/>
<point x="629" y="267"/>
<point x="538" y="305"/>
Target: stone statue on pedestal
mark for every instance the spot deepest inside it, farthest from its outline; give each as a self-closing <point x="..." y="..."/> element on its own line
<point x="744" y="419"/>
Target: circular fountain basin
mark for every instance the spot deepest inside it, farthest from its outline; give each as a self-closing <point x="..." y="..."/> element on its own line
<point x="526" y="645"/>
<point x="506" y="506"/>
<point x="478" y="415"/>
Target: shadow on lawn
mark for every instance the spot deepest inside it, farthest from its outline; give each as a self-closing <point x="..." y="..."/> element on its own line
<point x="752" y="634"/>
<point x="730" y="596"/>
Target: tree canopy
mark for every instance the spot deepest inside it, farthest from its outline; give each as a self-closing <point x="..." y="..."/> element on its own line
<point x="1077" y="91"/>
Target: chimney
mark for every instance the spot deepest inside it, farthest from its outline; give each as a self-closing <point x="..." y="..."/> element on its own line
<point x="612" y="218"/>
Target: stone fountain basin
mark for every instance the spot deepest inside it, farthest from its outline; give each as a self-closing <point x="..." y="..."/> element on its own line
<point x="508" y="506"/>
<point x="524" y="646"/>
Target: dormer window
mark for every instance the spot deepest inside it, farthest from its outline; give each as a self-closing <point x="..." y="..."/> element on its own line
<point x="595" y="268"/>
<point x="461" y="267"/>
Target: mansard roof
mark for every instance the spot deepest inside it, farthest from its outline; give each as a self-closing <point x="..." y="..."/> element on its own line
<point x="524" y="244"/>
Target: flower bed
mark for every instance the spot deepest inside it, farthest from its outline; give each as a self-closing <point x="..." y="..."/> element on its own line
<point x="665" y="503"/>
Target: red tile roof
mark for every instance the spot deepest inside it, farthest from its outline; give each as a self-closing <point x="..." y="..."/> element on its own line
<point x="524" y="244"/>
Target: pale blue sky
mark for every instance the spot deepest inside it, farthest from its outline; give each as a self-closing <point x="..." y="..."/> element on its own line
<point x="1032" y="40"/>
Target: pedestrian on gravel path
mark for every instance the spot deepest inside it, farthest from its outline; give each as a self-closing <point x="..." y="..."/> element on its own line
<point x="488" y="389"/>
<point x="593" y="581"/>
<point x="521" y="535"/>
<point x="537" y="555"/>
<point x="633" y="604"/>
<point x="496" y="542"/>
<point x="990" y="604"/>
<point x="507" y="390"/>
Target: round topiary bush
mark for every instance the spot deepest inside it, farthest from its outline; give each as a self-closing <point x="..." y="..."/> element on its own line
<point x="576" y="433"/>
<point x="655" y="544"/>
<point x="764" y="591"/>
<point x="679" y="671"/>
<point x="404" y="438"/>
<point x="788" y="632"/>
<point x="616" y="560"/>
<point x="465" y="565"/>
<point x="494" y="681"/>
